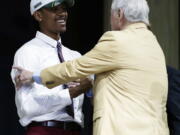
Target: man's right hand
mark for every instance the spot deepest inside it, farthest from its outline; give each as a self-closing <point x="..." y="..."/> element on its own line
<point x="84" y="85"/>
<point x="23" y="78"/>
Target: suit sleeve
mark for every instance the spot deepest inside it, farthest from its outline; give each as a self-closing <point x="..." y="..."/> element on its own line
<point x="101" y="58"/>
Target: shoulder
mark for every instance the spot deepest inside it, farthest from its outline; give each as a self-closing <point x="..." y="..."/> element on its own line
<point x="27" y="48"/>
<point x="114" y="36"/>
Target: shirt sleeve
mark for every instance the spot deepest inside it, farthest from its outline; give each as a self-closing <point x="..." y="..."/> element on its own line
<point x="36" y="99"/>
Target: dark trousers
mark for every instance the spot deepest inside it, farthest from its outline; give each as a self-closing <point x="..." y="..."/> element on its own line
<point x="40" y="130"/>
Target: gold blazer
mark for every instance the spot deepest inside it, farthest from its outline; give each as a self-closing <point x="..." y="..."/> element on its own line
<point x="130" y="89"/>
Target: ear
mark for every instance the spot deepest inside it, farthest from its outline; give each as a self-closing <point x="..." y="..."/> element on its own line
<point x="38" y="16"/>
<point x="120" y="14"/>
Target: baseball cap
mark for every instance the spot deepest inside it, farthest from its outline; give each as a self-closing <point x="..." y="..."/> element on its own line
<point x="37" y="4"/>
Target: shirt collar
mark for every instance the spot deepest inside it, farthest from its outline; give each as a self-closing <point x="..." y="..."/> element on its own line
<point x="50" y="41"/>
<point x="136" y="26"/>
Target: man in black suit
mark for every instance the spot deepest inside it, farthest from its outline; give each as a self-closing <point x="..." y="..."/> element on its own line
<point x="173" y="103"/>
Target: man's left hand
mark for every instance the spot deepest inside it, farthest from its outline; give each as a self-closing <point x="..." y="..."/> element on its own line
<point x="84" y="85"/>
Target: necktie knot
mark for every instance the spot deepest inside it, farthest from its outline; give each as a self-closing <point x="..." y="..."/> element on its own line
<point x="58" y="45"/>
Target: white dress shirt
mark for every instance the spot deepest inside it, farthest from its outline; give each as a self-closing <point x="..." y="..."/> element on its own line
<point x="36" y="102"/>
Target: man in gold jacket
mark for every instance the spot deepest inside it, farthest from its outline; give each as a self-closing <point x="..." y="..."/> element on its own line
<point x="130" y="89"/>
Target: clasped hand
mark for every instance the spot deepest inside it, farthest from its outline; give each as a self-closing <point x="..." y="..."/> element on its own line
<point x="23" y="78"/>
<point x="75" y="88"/>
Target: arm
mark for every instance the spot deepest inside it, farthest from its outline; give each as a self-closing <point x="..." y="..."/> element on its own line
<point x="102" y="58"/>
<point x="43" y="100"/>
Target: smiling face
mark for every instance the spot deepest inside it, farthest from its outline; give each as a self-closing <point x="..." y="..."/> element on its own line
<point x="52" y="21"/>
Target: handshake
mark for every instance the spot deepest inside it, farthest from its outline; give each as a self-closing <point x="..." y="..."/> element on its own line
<point x="76" y="87"/>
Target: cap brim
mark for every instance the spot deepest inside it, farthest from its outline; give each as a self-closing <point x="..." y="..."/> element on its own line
<point x="69" y="3"/>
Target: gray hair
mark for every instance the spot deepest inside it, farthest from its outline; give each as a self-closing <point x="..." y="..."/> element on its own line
<point x="134" y="10"/>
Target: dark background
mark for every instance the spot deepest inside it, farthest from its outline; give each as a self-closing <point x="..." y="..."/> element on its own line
<point x="17" y="27"/>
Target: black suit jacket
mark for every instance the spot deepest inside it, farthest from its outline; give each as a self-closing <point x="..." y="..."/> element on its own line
<point x="173" y="103"/>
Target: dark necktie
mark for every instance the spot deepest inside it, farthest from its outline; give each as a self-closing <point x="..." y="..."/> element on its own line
<point x="69" y="109"/>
